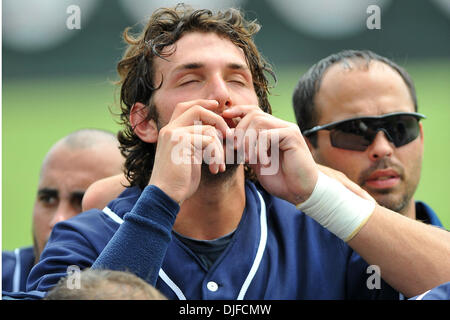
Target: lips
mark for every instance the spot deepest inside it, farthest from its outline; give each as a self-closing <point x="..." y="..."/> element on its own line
<point x="383" y="179"/>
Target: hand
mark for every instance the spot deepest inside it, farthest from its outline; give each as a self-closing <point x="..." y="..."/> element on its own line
<point x="181" y="146"/>
<point x="279" y="145"/>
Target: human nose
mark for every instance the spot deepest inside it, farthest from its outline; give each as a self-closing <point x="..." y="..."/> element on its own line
<point x="63" y="212"/>
<point x="380" y="147"/>
<point x="219" y="91"/>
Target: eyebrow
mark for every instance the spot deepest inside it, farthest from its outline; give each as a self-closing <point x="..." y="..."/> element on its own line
<point x="199" y="65"/>
<point x="54" y="192"/>
<point x="237" y="66"/>
<point x="48" y="191"/>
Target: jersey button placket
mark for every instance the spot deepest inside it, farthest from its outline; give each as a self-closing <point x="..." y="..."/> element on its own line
<point x="212" y="286"/>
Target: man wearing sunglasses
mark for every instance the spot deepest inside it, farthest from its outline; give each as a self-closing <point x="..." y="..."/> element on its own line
<point x="358" y="112"/>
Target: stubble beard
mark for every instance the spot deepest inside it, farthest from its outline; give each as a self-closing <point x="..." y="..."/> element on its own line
<point x="399" y="204"/>
<point x="209" y="178"/>
<point x="397" y="199"/>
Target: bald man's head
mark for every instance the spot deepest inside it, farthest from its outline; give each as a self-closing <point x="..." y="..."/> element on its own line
<point x="86" y="139"/>
<point x="72" y="164"/>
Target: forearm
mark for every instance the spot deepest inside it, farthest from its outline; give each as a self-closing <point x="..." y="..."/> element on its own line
<point x="140" y="244"/>
<point x="413" y="257"/>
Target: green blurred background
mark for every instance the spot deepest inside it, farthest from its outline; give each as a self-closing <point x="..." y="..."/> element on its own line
<point x="50" y="91"/>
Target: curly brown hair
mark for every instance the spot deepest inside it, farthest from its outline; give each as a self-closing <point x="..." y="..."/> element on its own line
<point x="136" y="71"/>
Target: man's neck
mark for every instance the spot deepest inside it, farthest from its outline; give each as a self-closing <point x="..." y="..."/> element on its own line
<point x="410" y="210"/>
<point x="215" y="209"/>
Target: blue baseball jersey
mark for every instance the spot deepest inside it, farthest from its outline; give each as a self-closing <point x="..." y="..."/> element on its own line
<point x="276" y="252"/>
<point x="16" y="265"/>
<point x="441" y="292"/>
<point x="425" y="214"/>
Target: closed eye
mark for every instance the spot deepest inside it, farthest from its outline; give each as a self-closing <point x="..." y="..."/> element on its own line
<point x="189" y="79"/>
<point x="242" y="83"/>
<point x="188" y="82"/>
<point x="238" y="79"/>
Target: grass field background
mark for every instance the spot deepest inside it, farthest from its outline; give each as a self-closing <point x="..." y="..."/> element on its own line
<point x="37" y="112"/>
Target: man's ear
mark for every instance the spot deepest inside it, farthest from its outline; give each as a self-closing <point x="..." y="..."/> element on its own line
<point x="421" y="131"/>
<point x="314" y="150"/>
<point x="310" y="146"/>
<point x="421" y="136"/>
<point x="146" y="130"/>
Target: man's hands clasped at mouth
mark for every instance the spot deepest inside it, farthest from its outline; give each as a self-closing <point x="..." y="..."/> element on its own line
<point x="196" y="133"/>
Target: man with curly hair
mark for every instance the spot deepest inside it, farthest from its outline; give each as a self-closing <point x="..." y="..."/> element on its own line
<point x="194" y="224"/>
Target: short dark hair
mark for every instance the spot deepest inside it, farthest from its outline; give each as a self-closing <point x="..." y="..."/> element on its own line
<point x="136" y="71"/>
<point x="309" y="84"/>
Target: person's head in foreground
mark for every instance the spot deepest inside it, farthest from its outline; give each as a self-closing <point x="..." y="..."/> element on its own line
<point x="97" y="284"/>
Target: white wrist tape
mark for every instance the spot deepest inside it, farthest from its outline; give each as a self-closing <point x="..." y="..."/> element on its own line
<point x="337" y="208"/>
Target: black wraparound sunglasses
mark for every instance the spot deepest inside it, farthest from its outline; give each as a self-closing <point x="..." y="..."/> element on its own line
<point x="358" y="133"/>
